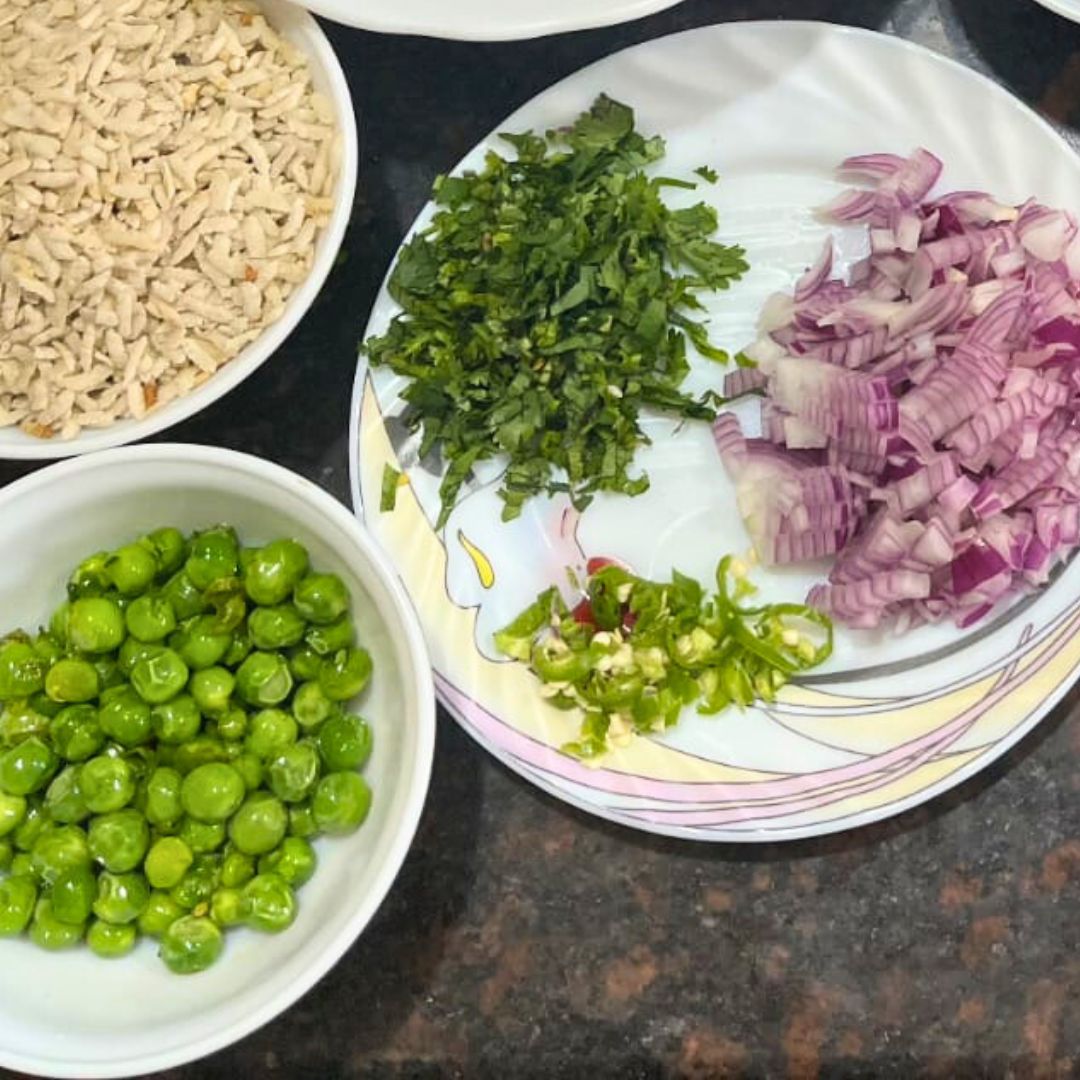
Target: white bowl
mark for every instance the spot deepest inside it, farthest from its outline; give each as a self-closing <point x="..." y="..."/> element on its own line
<point x="72" y="1014"/>
<point x="298" y="27"/>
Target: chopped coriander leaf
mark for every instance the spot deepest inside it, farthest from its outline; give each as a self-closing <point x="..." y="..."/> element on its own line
<point x="546" y="305"/>
<point x="635" y="652"/>
<point x="710" y="176"/>
<point x="391" y="479"/>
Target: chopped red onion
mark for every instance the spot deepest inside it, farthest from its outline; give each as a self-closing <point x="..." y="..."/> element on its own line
<point x="920" y="420"/>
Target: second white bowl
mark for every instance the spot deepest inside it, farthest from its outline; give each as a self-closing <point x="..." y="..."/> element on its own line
<point x="72" y="1014"/>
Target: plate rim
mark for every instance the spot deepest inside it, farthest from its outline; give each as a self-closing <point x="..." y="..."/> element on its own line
<point x="700" y="834"/>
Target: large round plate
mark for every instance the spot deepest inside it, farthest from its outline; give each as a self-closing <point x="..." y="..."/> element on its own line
<point x="483" y="20"/>
<point x="891" y="721"/>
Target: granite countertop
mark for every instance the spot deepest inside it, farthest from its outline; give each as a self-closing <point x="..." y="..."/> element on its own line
<point x="525" y="939"/>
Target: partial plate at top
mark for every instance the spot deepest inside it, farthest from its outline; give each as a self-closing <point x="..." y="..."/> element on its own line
<point x="483" y="20"/>
<point x="891" y="721"/>
<point x="1068" y="9"/>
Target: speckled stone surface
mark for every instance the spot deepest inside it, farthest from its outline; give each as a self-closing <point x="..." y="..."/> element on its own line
<point x="524" y="939"/>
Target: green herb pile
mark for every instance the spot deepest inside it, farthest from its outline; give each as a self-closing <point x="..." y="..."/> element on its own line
<point x="547" y="304"/>
<point x="635" y="652"/>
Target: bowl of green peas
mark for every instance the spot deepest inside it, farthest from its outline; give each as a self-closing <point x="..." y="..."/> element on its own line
<point x="216" y="732"/>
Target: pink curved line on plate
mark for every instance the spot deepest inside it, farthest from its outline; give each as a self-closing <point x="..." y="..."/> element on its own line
<point x="744" y="813"/>
<point x="738" y="794"/>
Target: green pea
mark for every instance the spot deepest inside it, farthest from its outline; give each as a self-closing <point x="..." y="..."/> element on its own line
<point x="312" y="707"/>
<point x="109" y="675"/>
<point x="19" y="721"/>
<point x="198" y="884"/>
<point x="22" y="865"/>
<point x="75" y="732"/>
<point x="341" y="802"/>
<point x="95" y="625"/>
<point x="119" y="840"/>
<point x="345" y="673"/>
<point x="150" y="618"/>
<point x="44" y="705"/>
<point x="239" y="648"/>
<point x="203" y="837"/>
<point x="27" y="767"/>
<point x="294" y="772"/>
<point x="125" y="717"/>
<point x="212" y="792"/>
<point x="167" y="861"/>
<point x="237" y="869"/>
<point x="7" y="854"/>
<point x="64" y="801"/>
<point x="226" y="599"/>
<point x="212" y="688"/>
<point x="332" y="637"/>
<point x="12" y="813"/>
<point x="58" y="622"/>
<point x="200" y="643"/>
<point x="213" y="554"/>
<point x="107" y="784"/>
<point x="110" y="941"/>
<point x="184" y="595"/>
<point x="271" y="572"/>
<point x="121" y="898"/>
<point x="163" y="807"/>
<point x="47" y="647"/>
<point x="321" y="598"/>
<point x="233" y="724"/>
<point x="133" y="651"/>
<point x="48" y="932"/>
<point x="73" y="893"/>
<point x="131" y="569"/>
<point x="18" y="895"/>
<point x="259" y="825"/>
<point x="177" y="721"/>
<point x="160" y="913"/>
<point x="276" y="627"/>
<point x="269" y="732"/>
<point x="302" y="821"/>
<point x="250" y="769"/>
<point x="22" y="671"/>
<point x="199" y="751"/>
<point x="168" y="547"/>
<point x="344" y="742"/>
<point x="228" y="907"/>
<point x="264" y="679"/>
<point x="158" y="678"/>
<point x="72" y="680"/>
<point x="31" y="827"/>
<point x="294" y="861"/>
<point x="270" y="903"/>
<point x="304" y="663"/>
<point x="191" y="944"/>
<point x="59" y="848"/>
<point x="89" y="577"/>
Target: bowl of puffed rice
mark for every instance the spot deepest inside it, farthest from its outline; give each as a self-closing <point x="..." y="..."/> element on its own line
<point x="176" y="177"/>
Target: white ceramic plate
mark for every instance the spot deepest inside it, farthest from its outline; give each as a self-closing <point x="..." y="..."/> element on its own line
<point x="298" y="27"/>
<point x="1069" y="9"/>
<point x="891" y="721"/>
<point x="483" y="20"/>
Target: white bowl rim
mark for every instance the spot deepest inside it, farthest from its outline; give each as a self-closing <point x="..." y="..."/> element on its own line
<point x="254" y="355"/>
<point x="419" y="779"/>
